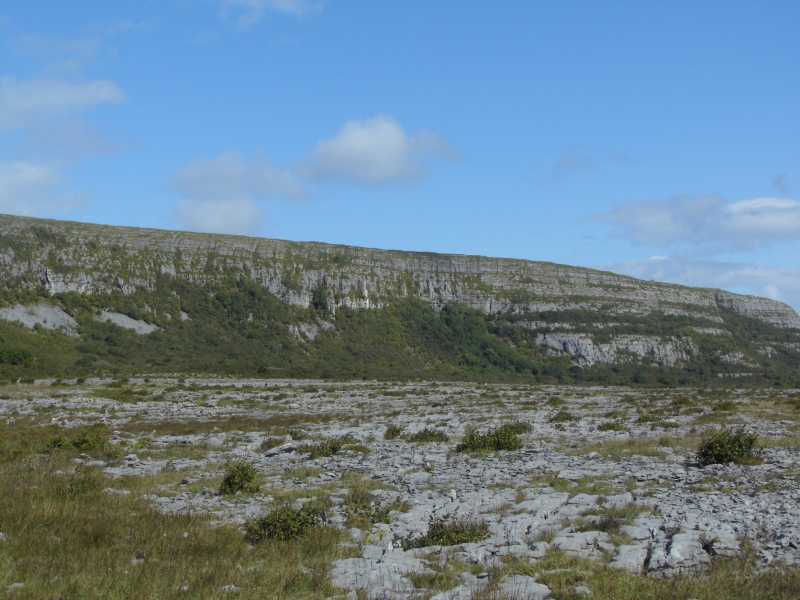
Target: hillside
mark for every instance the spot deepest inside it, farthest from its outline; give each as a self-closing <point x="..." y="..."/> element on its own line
<point x="79" y="299"/>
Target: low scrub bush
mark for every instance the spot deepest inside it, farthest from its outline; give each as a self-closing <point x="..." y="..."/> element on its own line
<point x="450" y="532"/>
<point x="502" y="438"/>
<point x="728" y="446"/>
<point x="285" y="523"/>
<point x="240" y="476"/>
<point x="427" y="436"/>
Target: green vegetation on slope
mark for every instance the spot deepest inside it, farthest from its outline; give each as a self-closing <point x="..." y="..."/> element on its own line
<point x="237" y="327"/>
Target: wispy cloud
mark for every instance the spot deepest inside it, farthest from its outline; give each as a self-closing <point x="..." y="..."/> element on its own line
<point x="578" y="161"/>
<point x="772" y="282"/>
<point x="708" y="222"/>
<point x="222" y="215"/>
<point x="228" y="193"/>
<point x="23" y="103"/>
<point x="224" y="194"/>
<point x="33" y="189"/>
<point x="247" y="13"/>
<point x="376" y="151"/>
<point x="70" y="53"/>
<point x="781" y="184"/>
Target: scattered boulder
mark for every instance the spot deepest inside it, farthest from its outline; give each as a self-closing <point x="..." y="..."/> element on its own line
<point x="522" y="587"/>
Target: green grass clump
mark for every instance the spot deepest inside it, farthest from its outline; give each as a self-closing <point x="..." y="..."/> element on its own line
<point x="502" y="438"/>
<point x="94" y="439"/>
<point x="450" y="532"/>
<point x="285" y="523"/>
<point x="427" y="436"/>
<point x="517" y="428"/>
<point x="270" y="443"/>
<point x="612" y="426"/>
<point x="363" y="509"/>
<point x="563" y="416"/>
<point x="392" y="432"/>
<point x="325" y="448"/>
<point x="240" y="476"/>
<point x="724" y="446"/>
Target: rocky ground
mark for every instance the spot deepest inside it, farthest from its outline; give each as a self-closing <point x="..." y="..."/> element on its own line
<point x="602" y="474"/>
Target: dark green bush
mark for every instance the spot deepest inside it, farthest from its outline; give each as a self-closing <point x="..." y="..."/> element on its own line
<point x="728" y="446"/>
<point x="427" y="436"/>
<point x="502" y="438"/>
<point x="240" y="476"/>
<point x="450" y="532"/>
<point x="285" y="523"/>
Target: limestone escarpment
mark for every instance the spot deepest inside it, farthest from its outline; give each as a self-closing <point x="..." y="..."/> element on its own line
<point x="63" y="256"/>
<point x="590" y="316"/>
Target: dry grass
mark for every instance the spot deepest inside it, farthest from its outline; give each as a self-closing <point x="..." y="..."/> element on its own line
<point x="726" y="580"/>
<point x="67" y="538"/>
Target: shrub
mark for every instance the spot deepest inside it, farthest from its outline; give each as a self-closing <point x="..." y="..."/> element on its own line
<point x="392" y="432"/>
<point x="240" y="476"/>
<point x="285" y="523"/>
<point x="728" y="446"/>
<point x="502" y="438"/>
<point x="450" y="532"/>
<point x="427" y="436"/>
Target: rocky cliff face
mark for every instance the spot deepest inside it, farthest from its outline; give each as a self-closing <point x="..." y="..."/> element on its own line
<point x="58" y="257"/>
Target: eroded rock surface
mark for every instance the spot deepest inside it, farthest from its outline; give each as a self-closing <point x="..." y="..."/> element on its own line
<point x="603" y="474"/>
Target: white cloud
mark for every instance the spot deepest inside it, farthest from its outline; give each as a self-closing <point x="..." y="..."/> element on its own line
<point x="375" y="151"/>
<point x="24" y="102"/>
<point x="234" y="175"/>
<point x="33" y="190"/>
<point x="223" y="194"/>
<point x="247" y="13"/>
<point x="776" y="283"/>
<point x="224" y="215"/>
<point x="710" y="222"/>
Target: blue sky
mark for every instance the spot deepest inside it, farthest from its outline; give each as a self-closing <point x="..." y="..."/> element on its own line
<point x="660" y="140"/>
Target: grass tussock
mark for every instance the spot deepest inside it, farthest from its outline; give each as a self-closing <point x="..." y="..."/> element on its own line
<point x="392" y="432"/>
